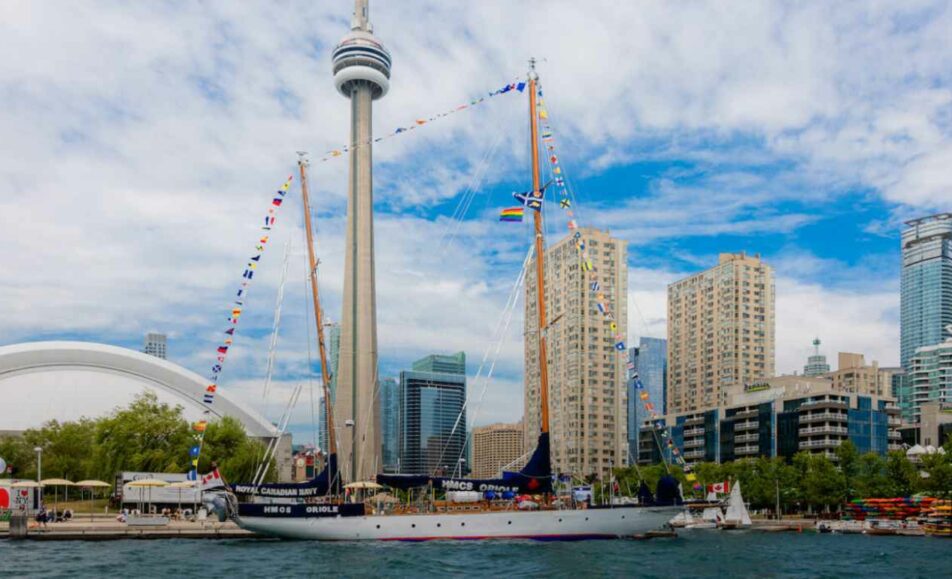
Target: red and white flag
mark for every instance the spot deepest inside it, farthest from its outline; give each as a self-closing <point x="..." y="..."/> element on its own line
<point x="721" y="487"/>
<point x="212" y="480"/>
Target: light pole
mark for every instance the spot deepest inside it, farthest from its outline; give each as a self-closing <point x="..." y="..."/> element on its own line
<point x="460" y="462"/>
<point x="39" y="473"/>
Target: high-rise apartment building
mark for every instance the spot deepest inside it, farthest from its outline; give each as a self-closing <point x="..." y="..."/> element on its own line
<point x="155" y="345"/>
<point x="855" y="376"/>
<point x="649" y="363"/>
<point x="926" y="290"/>
<point x="432" y="420"/>
<point x="587" y="381"/>
<point x="816" y="364"/>
<point x="497" y="447"/>
<point x="720" y="332"/>
<point x="930" y="379"/>
<point x="390" y="424"/>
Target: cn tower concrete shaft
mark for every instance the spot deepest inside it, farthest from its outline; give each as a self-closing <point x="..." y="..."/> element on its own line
<point x="362" y="74"/>
<point x="357" y="397"/>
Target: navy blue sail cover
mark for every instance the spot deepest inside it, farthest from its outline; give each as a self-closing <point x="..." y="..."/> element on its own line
<point x="327" y="482"/>
<point x="535" y="478"/>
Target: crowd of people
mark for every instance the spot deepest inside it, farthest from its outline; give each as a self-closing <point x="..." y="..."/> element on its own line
<point x="44" y="516"/>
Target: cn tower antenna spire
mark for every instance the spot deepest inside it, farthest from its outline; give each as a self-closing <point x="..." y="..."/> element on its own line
<point x="361" y="19"/>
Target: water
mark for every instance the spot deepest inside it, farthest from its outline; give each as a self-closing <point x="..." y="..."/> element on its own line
<point x="694" y="554"/>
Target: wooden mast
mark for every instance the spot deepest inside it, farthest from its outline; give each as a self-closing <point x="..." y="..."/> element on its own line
<point x="539" y="250"/>
<point x="318" y="313"/>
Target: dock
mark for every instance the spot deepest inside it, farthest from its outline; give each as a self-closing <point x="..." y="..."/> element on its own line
<point x="87" y="530"/>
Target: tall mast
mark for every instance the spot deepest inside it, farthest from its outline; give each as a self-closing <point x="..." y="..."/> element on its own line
<point x="318" y="313"/>
<point x="539" y="250"/>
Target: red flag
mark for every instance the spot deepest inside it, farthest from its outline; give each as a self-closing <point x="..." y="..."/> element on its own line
<point x="721" y="487"/>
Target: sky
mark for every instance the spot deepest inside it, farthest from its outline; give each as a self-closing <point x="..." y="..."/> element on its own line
<point x="141" y="143"/>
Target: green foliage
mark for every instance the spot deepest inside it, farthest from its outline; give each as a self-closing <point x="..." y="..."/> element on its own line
<point x="145" y="436"/>
<point x="236" y="455"/>
<point x="813" y="481"/>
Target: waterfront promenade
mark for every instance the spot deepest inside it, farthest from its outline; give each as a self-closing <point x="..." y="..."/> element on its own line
<point x="104" y="529"/>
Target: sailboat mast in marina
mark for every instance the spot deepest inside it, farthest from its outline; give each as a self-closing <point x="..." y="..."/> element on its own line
<point x="333" y="478"/>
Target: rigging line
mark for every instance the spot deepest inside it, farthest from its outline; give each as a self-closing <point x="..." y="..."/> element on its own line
<point x="462" y="208"/>
<point x="375" y="395"/>
<point x="502" y="326"/>
<point x="279" y="301"/>
<point x="310" y="363"/>
<point x="489" y="373"/>
<point x="262" y="470"/>
<point x="498" y="334"/>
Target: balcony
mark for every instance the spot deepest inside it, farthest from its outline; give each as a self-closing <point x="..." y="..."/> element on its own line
<point x="694" y="443"/>
<point x="747" y="425"/>
<point x="823" y="417"/>
<point x="747" y="414"/>
<point x="893" y="447"/>
<point x="750" y="449"/>
<point x="751" y="437"/>
<point x="894" y="435"/>
<point x="692" y="454"/>
<point x="694" y="421"/>
<point x="821" y="443"/>
<point x="894" y="422"/>
<point x="824" y="404"/>
<point x="694" y="432"/>
<point x="830" y="429"/>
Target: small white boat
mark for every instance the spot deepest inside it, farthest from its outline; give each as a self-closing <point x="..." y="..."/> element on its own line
<point x="736" y="516"/>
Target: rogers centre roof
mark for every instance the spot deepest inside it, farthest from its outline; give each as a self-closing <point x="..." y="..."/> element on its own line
<point x="83" y="366"/>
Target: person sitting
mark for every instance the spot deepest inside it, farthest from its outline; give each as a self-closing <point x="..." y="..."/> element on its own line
<point x="68" y="515"/>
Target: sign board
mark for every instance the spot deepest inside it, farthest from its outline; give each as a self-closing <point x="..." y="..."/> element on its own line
<point x="16" y="499"/>
<point x="756" y="387"/>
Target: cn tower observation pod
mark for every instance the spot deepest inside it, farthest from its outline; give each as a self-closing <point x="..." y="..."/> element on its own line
<point x="361" y="59"/>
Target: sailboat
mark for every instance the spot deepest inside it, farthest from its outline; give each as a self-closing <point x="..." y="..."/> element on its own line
<point x="708" y="518"/>
<point x="736" y="515"/>
<point x="336" y="519"/>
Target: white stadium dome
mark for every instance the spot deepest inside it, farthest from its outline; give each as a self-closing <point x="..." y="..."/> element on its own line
<point x="40" y="381"/>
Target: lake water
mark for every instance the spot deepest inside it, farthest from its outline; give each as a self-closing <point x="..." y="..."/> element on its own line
<point x="693" y="554"/>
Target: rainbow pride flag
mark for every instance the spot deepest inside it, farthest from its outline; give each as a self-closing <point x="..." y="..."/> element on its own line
<point x="512" y="214"/>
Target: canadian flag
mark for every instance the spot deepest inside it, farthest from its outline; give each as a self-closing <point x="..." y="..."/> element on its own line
<point x="212" y="480"/>
<point x="721" y="487"/>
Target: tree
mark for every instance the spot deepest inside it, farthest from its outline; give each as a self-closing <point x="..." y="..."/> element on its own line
<point x="848" y="460"/>
<point x="936" y="475"/>
<point x="823" y="484"/>
<point x="229" y="447"/>
<point x="901" y="474"/>
<point x="146" y="436"/>
<point x="872" y="477"/>
<point x="19" y="456"/>
<point x="68" y="448"/>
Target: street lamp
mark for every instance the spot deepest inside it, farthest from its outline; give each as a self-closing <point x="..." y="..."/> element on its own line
<point x="460" y="462"/>
<point x="39" y="472"/>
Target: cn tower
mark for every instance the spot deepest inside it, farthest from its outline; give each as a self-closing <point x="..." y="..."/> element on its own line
<point x="362" y="74"/>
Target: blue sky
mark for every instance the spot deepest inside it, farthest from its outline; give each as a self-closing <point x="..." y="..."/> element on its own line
<point x="141" y="145"/>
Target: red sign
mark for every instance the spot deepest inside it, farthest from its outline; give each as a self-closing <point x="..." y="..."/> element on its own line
<point x="4" y="498"/>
